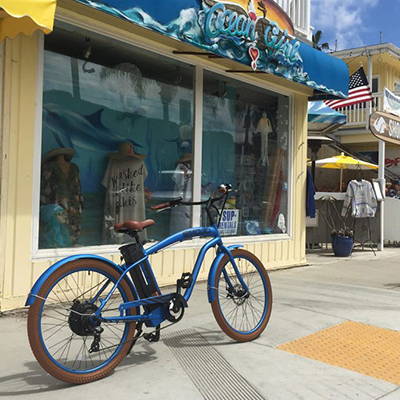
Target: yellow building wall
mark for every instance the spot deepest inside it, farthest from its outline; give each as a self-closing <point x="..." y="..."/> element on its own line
<point x="19" y="269"/>
<point x="383" y="65"/>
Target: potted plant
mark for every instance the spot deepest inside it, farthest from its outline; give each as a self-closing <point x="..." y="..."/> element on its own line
<point x="342" y="242"/>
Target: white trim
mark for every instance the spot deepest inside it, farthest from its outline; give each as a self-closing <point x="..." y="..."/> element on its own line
<point x="290" y="167"/>
<point x="37" y="146"/>
<point x="371" y="50"/>
<point x="197" y="144"/>
<point x="200" y="67"/>
<point x="2" y="167"/>
<point x="190" y="244"/>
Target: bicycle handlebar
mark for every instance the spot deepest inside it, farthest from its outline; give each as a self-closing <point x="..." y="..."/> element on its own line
<point x="168" y="204"/>
<point x="223" y="188"/>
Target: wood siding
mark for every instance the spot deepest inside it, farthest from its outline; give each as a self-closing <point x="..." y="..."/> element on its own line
<point x="19" y="269"/>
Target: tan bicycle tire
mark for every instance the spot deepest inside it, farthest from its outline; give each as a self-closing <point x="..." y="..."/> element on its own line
<point x="218" y="314"/>
<point x="34" y="335"/>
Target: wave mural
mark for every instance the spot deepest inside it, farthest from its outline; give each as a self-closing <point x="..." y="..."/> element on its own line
<point x="229" y="30"/>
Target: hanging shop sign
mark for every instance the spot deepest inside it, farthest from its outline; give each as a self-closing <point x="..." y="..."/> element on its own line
<point x="385" y="127"/>
<point x="391" y="102"/>
<point x="257" y="33"/>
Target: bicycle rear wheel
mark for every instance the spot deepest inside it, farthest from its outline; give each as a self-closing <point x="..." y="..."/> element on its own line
<point x="242" y="315"/>
<point x="61" y="330"/>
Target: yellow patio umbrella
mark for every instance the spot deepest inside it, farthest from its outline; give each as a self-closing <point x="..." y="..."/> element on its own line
<point x="26" y="16"/>
<point x="344" y="162"/>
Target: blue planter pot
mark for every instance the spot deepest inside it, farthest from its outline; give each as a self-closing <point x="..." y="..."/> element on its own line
<point x="342" y="246"/>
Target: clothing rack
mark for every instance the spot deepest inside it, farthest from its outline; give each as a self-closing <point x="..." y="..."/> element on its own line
<point x="362" y="243"/>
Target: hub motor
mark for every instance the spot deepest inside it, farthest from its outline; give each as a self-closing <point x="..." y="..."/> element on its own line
<point x="83" y="325"/>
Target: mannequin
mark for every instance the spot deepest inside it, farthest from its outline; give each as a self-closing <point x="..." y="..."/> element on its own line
<point x="265" y="128"/>
<point x="125" y="192"/>
<point x="61" y="188"/>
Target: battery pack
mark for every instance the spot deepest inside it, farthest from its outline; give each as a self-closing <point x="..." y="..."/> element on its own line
<point x="141" y="275"/>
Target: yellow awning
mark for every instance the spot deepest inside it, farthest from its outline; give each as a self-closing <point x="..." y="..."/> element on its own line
<point x="26" y="16"/>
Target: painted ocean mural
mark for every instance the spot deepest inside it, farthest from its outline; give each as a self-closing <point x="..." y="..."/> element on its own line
<point x="189" y="21"/>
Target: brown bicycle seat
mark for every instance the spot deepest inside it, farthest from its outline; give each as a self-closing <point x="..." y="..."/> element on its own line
<point x="134" y="225"/>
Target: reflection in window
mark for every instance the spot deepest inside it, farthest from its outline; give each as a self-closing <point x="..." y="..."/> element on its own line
<point x="116" y="139"/>
<point x="245" y="143"/>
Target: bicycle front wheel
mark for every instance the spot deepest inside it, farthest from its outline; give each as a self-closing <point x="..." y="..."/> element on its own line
<point x="242" y="313"/>
<point x="68" y="342"/>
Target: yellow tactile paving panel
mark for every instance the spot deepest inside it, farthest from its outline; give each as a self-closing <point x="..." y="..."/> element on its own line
<point x="362" y="348"/>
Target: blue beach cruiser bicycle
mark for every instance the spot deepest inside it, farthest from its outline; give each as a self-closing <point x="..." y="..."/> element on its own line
<point x="87" y="312"/>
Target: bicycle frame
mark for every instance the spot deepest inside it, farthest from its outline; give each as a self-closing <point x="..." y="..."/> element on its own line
<point x="157" y="316"/>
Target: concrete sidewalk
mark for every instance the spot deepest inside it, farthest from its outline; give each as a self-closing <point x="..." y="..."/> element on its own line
<point x="195" y="360"/>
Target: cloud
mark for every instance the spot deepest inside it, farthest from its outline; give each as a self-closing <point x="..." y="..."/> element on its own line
<point x="341" y="20"/>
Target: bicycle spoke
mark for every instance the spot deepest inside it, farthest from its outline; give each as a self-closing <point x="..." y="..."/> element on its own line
<point x="54" y="333"/>
<point x="63" y="346"/>
<point x="66" y="346"/>
<point x="53" y="326"/>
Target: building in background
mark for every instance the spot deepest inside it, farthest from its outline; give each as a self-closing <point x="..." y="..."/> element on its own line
<point x="381" y="64"/>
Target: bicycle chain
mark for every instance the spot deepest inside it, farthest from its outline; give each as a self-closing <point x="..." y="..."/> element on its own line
<point x="136" y="338"/>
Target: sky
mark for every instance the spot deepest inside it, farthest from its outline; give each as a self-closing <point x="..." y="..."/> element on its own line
<point x="355" y="23"/>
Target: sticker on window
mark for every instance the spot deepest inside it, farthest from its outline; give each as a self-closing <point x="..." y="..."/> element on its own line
<point x="229" y="222"/>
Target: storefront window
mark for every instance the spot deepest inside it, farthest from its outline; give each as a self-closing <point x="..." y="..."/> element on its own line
<point x="116" y="139"/>
<point x="245" y="143"/>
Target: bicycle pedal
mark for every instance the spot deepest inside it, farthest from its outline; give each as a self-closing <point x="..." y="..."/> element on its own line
<point x="185" y="281"/>
<point x="153" y="336"/>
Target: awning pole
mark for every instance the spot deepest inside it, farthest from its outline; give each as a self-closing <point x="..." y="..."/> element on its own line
<point x="341" y="179"/>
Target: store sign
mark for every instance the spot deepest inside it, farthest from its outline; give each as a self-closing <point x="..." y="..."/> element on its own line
<point x="229" y="223"/>
<point x="391" y="102"/>
<point x="257" y="33"/>
<point x="227" y="19"/>
<point x="385" y="127"/>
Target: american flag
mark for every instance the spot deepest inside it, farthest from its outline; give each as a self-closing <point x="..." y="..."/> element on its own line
<point x="359" y="91"/>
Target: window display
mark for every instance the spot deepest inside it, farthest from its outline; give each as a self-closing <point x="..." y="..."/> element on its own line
<point x="246" y="144"/>
<point x="116" y="136"/>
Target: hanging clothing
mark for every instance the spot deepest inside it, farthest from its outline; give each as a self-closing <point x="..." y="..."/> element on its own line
<point x="63" y="189"/>
<point x="218" y="158"/>
<point x="361" y="197"/>
<point x="310" y="199"/>
<point x="264" y="127"/>
<point x="124" y="181"/>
